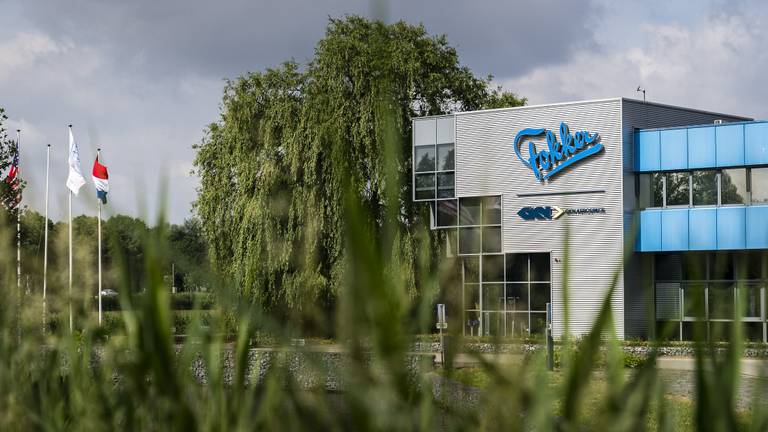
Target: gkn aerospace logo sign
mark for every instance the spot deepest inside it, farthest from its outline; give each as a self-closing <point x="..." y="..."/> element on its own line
<point x="554" y="212"/>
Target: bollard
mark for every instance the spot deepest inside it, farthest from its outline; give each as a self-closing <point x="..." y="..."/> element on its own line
<point x="550" y="341"/>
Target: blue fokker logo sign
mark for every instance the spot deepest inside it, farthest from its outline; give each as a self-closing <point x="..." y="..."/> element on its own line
<point x="559" y="154"/>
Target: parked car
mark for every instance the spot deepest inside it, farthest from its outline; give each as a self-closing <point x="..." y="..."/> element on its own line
<point x="108" y="293"/>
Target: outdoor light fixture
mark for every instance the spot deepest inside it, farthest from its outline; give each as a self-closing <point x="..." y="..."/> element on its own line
<point x="640" y="89"/>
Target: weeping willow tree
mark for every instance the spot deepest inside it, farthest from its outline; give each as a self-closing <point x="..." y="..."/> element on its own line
<point x="292" y="139"/>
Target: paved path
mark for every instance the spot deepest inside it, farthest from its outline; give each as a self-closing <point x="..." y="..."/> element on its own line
<point x="749" y="367"/>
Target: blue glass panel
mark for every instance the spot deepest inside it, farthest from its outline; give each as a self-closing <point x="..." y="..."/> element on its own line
<point x="674" y="230"/>
<point x="730" y="145"/>
<point x="731" y="228"/>
<point x="756" y="143"/>
<point x="648" y="151"/>
<point x="702" y="229"/>
<point x="674" y="149"/>
<point x="701" y="147"/>
<point x="757" y="227"/>
<point x="650" y="231"/>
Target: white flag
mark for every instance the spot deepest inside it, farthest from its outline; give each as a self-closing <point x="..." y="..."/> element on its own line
<point x="75" y="180"/>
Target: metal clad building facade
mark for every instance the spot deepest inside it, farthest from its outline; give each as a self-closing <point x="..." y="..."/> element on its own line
<point x="508" y="229"/>
<point x="487" y="165"/>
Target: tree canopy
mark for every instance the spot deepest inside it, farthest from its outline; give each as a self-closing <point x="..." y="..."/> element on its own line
<point x="8" y="193"/>
<point x="291" y="140"/>
<point x="123" y="251"/>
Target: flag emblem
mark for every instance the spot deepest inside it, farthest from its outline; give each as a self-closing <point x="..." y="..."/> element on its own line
<point x="75" y="178"/>
<point x="14" y="183"/>
<point x="100" y="180"/>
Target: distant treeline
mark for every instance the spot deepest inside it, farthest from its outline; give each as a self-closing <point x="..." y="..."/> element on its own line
<point x="124" y="240"/>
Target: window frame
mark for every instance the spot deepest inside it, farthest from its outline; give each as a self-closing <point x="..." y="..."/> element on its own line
<point x="748" y="197"/>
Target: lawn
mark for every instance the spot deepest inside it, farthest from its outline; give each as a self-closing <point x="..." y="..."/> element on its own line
<point x="596" y="400"/>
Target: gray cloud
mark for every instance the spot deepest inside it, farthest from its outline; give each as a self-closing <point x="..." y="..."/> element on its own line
<point x="141" y="79"/>
<point x="224" y="39"/>
<point x="713" y="59"/>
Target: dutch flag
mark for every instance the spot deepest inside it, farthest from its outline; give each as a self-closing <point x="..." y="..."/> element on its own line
<point x="100" y="179"/>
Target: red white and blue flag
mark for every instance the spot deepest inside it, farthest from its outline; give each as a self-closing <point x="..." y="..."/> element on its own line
<point x="14" y="183"/>
<point x="100" y="179"/>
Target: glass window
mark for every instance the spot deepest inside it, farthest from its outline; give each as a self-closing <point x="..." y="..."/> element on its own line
<point x="694" y="266"/>
<point x="471" y="269"/>
<point x="540" y="267"/>
<point x="469" y="211"/>
<point x="492" y="210"/>
<point x="645" y="191"/>
<point x="451" y="242"/>
<point x="517" y="297"/>
<point x="493" y="268"/>
<point x="733" y="186"/>
<point x="540" y="296"/>
<point x="445" y="127"/>
<point x="538" y="323"/>
<point x="473" y="323"/>
<point x="667" y="267"/>
<point x="750" y="300"/>
<point x="424" y="158"/>
<point x="445" y="182"/>
<point x="493" y="296"/>
<point x="517" y="267"/>
<point x="445" y="158"/>
<point x="721" y="300"/>
<point x="705" y="187"/>
<point x="720" y="331"/>
<point x="424" y="131"/>
<point x="472" y="296"/>
<point x="657" y="189"/>
<point x="493" y="323"/>
<point x="491" y="239"/>
<point x="693" y="300"/>
<point x="677" y="188"/>
<point x="425" y="186"/>
<point x="753" y="331"/>
<point x="447" y="213"/>
<point x="517" y="324"/>
<point x="469" y="240"/>
<point x="721" y="266"/>
<point x="749" y="265"/>
<point x="759" y="185"/>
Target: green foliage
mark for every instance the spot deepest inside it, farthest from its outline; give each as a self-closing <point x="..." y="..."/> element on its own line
<point x="291" y="139"/>
<point x="140" y="379"/>
<point x="179" y="301"/>
<point x="122" y="247"/>
<point x="7" y="150"/>
<point x="633" y="360"/>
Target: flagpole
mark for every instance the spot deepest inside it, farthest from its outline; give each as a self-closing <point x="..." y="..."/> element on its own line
<point x="70" y="261"/>
<point x="18" y="224"/>
<point x="71" y="326"/>
<point x="18" y="239"/>
<point x="45" y="247"/>
<point x="98" y="153"/>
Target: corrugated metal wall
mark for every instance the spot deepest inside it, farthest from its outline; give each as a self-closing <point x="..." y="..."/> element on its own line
<point x="486" y="164"/>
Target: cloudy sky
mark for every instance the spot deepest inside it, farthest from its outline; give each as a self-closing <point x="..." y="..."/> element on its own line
<point x="142" y="78"/>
